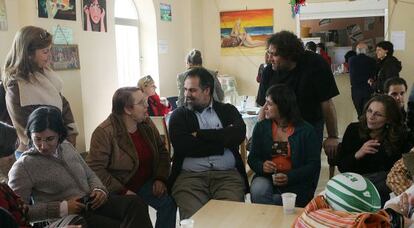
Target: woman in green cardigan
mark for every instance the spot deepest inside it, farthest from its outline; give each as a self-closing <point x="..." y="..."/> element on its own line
<point x="284" y="145"/>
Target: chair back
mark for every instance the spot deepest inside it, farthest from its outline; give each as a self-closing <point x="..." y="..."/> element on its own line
<point x="173" y="102"/>
<point x="160" y="124"/>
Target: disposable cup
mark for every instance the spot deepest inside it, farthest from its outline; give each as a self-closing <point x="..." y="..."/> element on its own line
<point x="288" y="200"/>
<point x="187" y="223"/>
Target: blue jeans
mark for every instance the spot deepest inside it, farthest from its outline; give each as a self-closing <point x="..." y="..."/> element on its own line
<point x="17" y="154"/>
<point x="261" y="191"/>
<point x="165" y="205"/>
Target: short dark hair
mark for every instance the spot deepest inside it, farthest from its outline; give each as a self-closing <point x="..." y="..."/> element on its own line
<point x="285" y="99"/>
<point x="206" y="79"/>
<point x="388" y="46"/>
<point x="123" y="98"/>
<point x="394" y="81"/>
<point x="46" y="117"/>
<point x="287" y="44"/>
<point x="8" y="140"/>
<point x="311" y="46"/>
<point x="349" y="54"/>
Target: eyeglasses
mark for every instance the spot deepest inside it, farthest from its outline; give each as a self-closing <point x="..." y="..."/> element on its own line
<point x="48" y="140"/>
<point x="44" y="35"/>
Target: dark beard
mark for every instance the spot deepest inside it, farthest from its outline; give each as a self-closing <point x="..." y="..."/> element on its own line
<point x="197" y="108"/>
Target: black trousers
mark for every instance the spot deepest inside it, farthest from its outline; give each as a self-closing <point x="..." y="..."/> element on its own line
<point x="120" y="211"/>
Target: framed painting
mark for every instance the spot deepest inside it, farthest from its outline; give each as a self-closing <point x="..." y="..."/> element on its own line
<point x="94" y="15"/>
<point x="65" y="57"/>
<point x="245" y="32"/>
<point x="57" y="9"/>
<point x="3" y="15"/>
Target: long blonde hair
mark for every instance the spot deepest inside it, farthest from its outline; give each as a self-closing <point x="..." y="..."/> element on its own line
<point x="19" y="61"/>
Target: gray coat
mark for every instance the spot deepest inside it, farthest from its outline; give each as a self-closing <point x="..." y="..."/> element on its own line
<point x="50" y="180"/>
<point x="218" y="94"/>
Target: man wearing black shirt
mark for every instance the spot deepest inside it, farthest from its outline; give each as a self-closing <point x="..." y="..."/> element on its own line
<point x="310" y="77"/>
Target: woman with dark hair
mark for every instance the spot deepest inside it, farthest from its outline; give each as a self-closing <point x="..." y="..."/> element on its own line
<point x="77" y="190"/>
<point x="30" y="83"/>
<point x="127" y="153"/>
<point x="285" y="145"/>
<point x="388" y="66"/>
<point x="371" y="146"/>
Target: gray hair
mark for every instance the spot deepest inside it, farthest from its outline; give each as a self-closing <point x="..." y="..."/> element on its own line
<point x="194" y="58"/>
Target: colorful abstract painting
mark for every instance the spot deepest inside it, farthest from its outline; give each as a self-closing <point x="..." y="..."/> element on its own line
<point x="57" y="9"/>
<point x="245" y="32"/>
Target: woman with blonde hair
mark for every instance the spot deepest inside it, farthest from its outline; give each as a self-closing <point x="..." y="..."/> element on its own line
<point x="156" y="107"/>
<point x="30" y="83"/>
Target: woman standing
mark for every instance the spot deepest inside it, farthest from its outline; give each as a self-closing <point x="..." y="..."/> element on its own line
<point x="129" y="157"/>
<point x="29" y="82"/>
<point x="371" y="146"/>
<point x="155" y="107"/>
<point x="285" y="145"/>
<point x="193" y="59"/>
<point x="53" y="179"/>
<point x="387" y="66"/>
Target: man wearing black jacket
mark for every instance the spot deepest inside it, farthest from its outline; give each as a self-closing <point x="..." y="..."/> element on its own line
<point x="206" y="135"/>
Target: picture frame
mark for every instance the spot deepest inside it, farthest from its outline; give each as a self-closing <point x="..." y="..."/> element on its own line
<point x="65" y="57"/>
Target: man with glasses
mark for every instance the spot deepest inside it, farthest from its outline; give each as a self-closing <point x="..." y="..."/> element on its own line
<point x="310" y="77"/>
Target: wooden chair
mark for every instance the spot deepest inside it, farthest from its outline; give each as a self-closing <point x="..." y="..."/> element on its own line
<point x="161" y="125"/>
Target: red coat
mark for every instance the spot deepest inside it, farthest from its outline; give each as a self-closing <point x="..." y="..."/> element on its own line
<point x="155" y="108"/>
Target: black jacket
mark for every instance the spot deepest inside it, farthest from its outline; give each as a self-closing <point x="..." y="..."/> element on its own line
<point x="387" y="68"/>
<point x="208" y="142"/>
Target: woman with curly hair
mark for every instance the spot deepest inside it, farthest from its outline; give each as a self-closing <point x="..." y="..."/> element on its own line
<point x="371" y="146"/>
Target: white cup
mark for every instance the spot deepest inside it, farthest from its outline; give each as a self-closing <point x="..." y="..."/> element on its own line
<point x="187" y="223"/>
<point x="288" y="200"/>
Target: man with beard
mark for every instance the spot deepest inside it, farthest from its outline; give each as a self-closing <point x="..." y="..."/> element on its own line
<point x="206" y="135"/>
<point x="311" y="79"/>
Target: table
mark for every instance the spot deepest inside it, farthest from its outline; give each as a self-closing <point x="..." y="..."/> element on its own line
<point x="219" y="213"/>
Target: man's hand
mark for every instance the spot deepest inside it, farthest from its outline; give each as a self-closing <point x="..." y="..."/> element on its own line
<point x="158" y="188"/>
<point x="194" y="134"/>
<point x="330" y="146"/>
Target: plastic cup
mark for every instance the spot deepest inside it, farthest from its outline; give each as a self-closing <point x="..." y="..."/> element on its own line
<point x="288" y="200"/>
<point x="187" y="223"/>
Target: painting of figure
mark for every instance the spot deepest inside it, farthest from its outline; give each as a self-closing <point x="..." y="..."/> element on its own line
<point x="245" y="32"/>
<point x="94" y="18"/>
<point x="57" y="9"/>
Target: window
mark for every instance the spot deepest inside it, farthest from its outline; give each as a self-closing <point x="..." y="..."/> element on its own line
<point x="127" y="42"/>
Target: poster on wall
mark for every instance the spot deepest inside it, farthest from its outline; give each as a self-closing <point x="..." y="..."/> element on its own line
<point x="165" y="12"/>
<point x="65" y="57"/>
<point x="245" y="32"/>
<point x="94" y="15"/>
<point x="3" y="16"/>
<point x="57" y="9"/>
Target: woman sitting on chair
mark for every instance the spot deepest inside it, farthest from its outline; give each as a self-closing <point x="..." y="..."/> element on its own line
<point x="53" y="176"/>
<point x="285" y="145"/>
<point x="371" y="146"/>
<point x="156" y="106"/>
<point x="128" y="155"/>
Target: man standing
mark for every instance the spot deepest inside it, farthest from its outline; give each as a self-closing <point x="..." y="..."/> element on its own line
<point x="206" y="135"/>
<point x="361" y="68"/>
<point x="310" y="77"/>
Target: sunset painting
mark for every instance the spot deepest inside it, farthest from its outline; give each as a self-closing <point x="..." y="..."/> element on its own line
<point x="245" y="32"/>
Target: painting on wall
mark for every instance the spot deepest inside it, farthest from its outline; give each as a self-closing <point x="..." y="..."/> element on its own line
<point x="65" y="57"/>
<point x="245" y="32"/>
<point x="57" y="9"/>
<point x="3" y="16"/>
<point x="165" y="12"/>
<point x="94" y="15"/>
